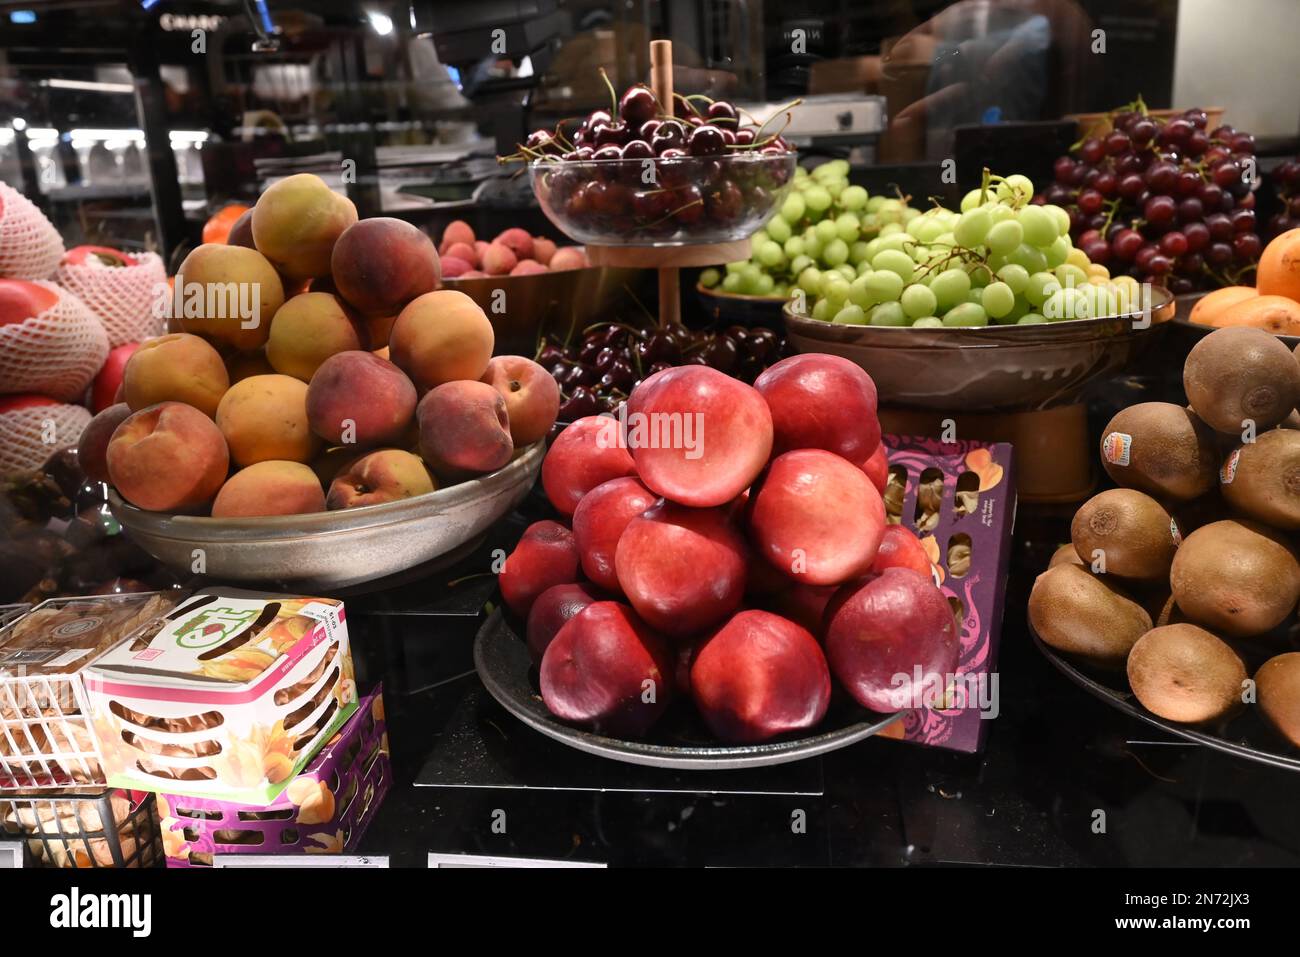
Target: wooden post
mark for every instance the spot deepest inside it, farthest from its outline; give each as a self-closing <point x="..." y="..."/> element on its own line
<point x="661" y="81"/>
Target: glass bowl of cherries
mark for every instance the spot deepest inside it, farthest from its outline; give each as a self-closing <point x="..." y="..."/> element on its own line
<point x="636" y="175"/>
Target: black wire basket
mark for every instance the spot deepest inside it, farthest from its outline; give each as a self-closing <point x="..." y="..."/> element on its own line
<point x="84" y="828"/>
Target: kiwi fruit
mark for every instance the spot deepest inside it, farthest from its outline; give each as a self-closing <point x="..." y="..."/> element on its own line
<point x="1185" y="674"/>
<point x="1261" y="479"/>
<point x="1065" y="553"/>
<point x="1241" y="374"/>
<point x="1239" y="578"/>
<point x="1277" y="686"/>
<point x="1081" y="614"/>
<point x="1162" y="449"/>
<point x="1132" y="531"/>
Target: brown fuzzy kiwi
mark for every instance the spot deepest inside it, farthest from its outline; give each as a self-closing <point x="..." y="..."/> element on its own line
<point x="1184" y="673"/>
<point x="1162" y="449"/>
<point x="1081" y="614"/>
<point x="1277" y="686"/>
<point x="1065" y="553"/>
<point x="1241" y="374"/>
<point x="1261" y="479"/>
<point x="1132" y="532"/>
<point x="1239" y="578"/>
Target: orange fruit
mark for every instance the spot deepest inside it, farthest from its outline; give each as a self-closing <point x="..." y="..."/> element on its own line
<point x="1210" y="306"/>
<point x="1279" y="267"/>
<point x="1276" y="314"/>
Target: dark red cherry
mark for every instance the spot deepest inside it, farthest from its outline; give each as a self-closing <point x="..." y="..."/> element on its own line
<point x="638" y="105"/>
<point x="706" y="141"/>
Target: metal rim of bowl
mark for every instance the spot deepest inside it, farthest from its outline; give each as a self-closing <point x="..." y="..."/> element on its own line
<point x="272" y="527"/>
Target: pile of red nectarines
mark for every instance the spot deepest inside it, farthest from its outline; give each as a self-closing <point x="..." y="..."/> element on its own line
<point x="735" y="551"/>
<point x="513" y="253"/>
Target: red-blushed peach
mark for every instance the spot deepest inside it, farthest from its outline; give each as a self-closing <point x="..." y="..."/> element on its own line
<point x="805" y="605"/>
<point x="698" y="437"/>
<point x="586" y="454"/>
<point x="109" y="378"/>
<point x="385" y="475"/>
<point x="543" y="250"/>
<point x="480" y="250"/>
<point x="518" y="241"/>
<point x="531" y="393"/>
<point x="607" y="670"/>
<point x="457" y="231"/>
<point x="270" y="487"/>
<point x="683" y="569"/>
<point x="169" y="457"/>
<point x="599" y="521"/>
<point x="241" y="231"/>
<point x="881" y="631"/>
<point x="473" y="274"/>
<point x="228" y="295"/>
<point x="551" y="609"/>
<point x="358" y="400"/>
<point x="568" y="257"/>
<point x="817" y="517"/>
<point x="527" y="267"/>
<point x="381" y="264"/>
<point x="265" y="417"/>
<point x="453" y="267"/>
<point x="498" y="260"/>
<point x="821" y="401"/>
<point x="877" y="468"/>
<point x="310" y="328"/>
<point x="440" y="337"/>
<point x="175" y="368"/>
<point x="464" y="429"/>
<point x="92" y="447"/>
<point x="758" y="676"/>
<point x="545" y="556"/>
<point x="332" y="462"/>
<point x="297" y="221"/>
<point x="463" y="251"/>
<point x="900" y="548"/>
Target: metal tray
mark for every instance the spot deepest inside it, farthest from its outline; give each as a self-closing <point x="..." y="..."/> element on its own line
<point x="334" y="549"/>
<point x="679" y="741"/>
<point x="1245" y="735"/>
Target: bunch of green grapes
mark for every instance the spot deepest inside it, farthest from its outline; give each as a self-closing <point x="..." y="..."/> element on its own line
<point x="999" y="259"/>
<point x="824" y="224"/>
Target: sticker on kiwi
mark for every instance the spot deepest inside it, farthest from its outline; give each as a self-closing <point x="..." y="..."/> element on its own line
<point x="1174" y="532"/>
<point x="1229" y="470"/>
<point x="1115" y="448"/>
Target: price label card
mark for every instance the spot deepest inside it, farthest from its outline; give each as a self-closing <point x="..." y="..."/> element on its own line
<point x="298" y="860"/>
<point x="485" y="860"/>
<point x="11" y="854"/>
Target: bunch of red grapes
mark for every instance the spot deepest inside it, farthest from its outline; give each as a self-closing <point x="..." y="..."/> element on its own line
<point x="1164" y="201"/>
<point x="597" y="373"/>
<point x="1287" y="180"/>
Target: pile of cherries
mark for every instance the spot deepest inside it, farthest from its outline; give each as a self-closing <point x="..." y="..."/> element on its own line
<point x="598" y="371"/>
<point x="1164" y="201"/>
<point x="1287" y="180"/>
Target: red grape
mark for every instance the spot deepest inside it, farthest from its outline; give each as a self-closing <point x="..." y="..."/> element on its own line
<point x="1220" y="226"/>
<point x="1126" y="244"/>
<point x="1218" y="254"/>
<point x="1160" y="210"/>
<point x="1092" y="150"/>
<point x="1173" y="244"/>
<point x="1247" y="246"/>
<point x="1197" y="235"/>
<point x="1091" y="201"/>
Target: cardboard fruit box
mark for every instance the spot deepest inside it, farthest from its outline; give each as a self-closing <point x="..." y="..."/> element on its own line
<point x="324" y="810"/>
<point x="960" y="499"/>
<point x="227" y="697"/>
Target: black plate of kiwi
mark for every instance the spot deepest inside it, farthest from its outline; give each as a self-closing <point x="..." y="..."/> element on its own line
<point x="1244" y="735"/>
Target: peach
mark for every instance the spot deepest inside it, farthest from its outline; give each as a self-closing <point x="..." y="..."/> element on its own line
<point x="608" y="671"/>
<point x="457" y="231"/>
<point x="545" y="556"/>
<point x="531" y="393"/>
<point x="245" y="365"/>
<point x="296" y="223"/>
<point x="821" y="402"/>
<point x="464" y="429"/>
<point x="498" y="260"/>
<point x="760" y="675"/>
<point x="518" y="241"/>
<point x="384" y="475"/>
<point x="169" y="457"/>
<point x="453" y="267"/>
<point x="480" y="250"/>
<point x="877" y="468"/>
<point x="241" y="231"/>
<point x="900" y="548"/>
<point x="697" y="436"/>
<point x="551" y="609"/>
<point x="543" y="250"/>
<point x="465" y="252"/>
<point x="586" y="454"/>
<point x="817" y="517"/>
<point x="310" y="328"/>
<point x="92" y="447"/>
<point x="359" y="400"/>
<point x="805" y="604"/>
<point x="175" y="368"/>
<point x="381" y="264"/>
<point x="440" y="337"/>
<point x="473" y="274"/>
<point x="265" y="417"/>
<point x="683" y="569"/>
<point x="109" y="377"/>
<point x="599" y="521"/>
<point x="569" y="257"/>
<point x="378" y="330"/>
<point x="228" y="295"/>
<point x="270" y="487"/>
<point x="527" y="267"/>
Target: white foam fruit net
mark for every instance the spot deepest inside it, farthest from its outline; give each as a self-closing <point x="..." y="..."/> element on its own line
<point x="121" y="297"/>
<point x="56" y="353"/>
<point x="30" y="246"/>
<point x="23" y="434"/>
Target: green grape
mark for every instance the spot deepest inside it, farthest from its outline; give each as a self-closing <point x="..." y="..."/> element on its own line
<point x="928" y="322"/>
<point x="947" y="239"/>
<point x="972" y="228"/>
<point x="870" y="223"/>
<point x="820" y="310"/>
<point x="810" y="280"/>
<point x="918" y="301"/>
<point x="834" y="187"/>
<point x="850" y="315"/>
<point x="972" y="200"/>
<point x="1030" y="258"/>
<point x="874" y="203"/>
<point x="1031" y="319"/>
<point x="770" y="254"/>
<point x="817" y="199"/>
<point x="794" y="249"/>
<point x="1005" y="236"/>
<point x="892" y="229"/>
<point x="1039" y="225"/>
<point x="765" y="285"/>
<point x="920" y="254"/>
<point x="847" y="271"/>
<point x="835" y="252"/>
<point x="1040" y="286"/>
<point x="826" y="231"/>
<point x="909" y="214"/>
<point x="736" y="266"/>
<point x="1068" y="275"/>
<point x="895" y="261"/>
<point x="995" y="261"/>
<point x="980" y="274"/>
<point x="1062" y="219"/>
<point x="1065" y="304"/>
<point x="847" y="227"/>
<point x="812" y="246"/>
<point x="895" y="240"/>
<point x="779" y="230"/>
<point x="874" y="246"/>
<point x="999" y="213"/>
<point x="966" y="314"/>
<point x="1057" y="251"/>
<point x="864" y="267"/>
<point x="929" y="230"/>
<point x="884" y="285"/>
<point x="799" y="263"/>
<point x="998" y="299"/>
<point x="1016" y="188"/>
<point x="710" y="278"/>
<point x="859" y="294"/>
<point x="781" y="290"/>
<point x="793" y="209"/>
<point x="800" y="172"/>
<point x="950" y="287"/>
<point x="858" y="252"/>
<point x="888" y="314"/>
<point x="976" y="295"/>
<point x="836" y="292"/>
<point x="853" y="198"/>
<point x="758" y="238"/>
<point x="731" y="282"/>
<point x="891" y="211"/>
<point x="1015" y="276"/>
